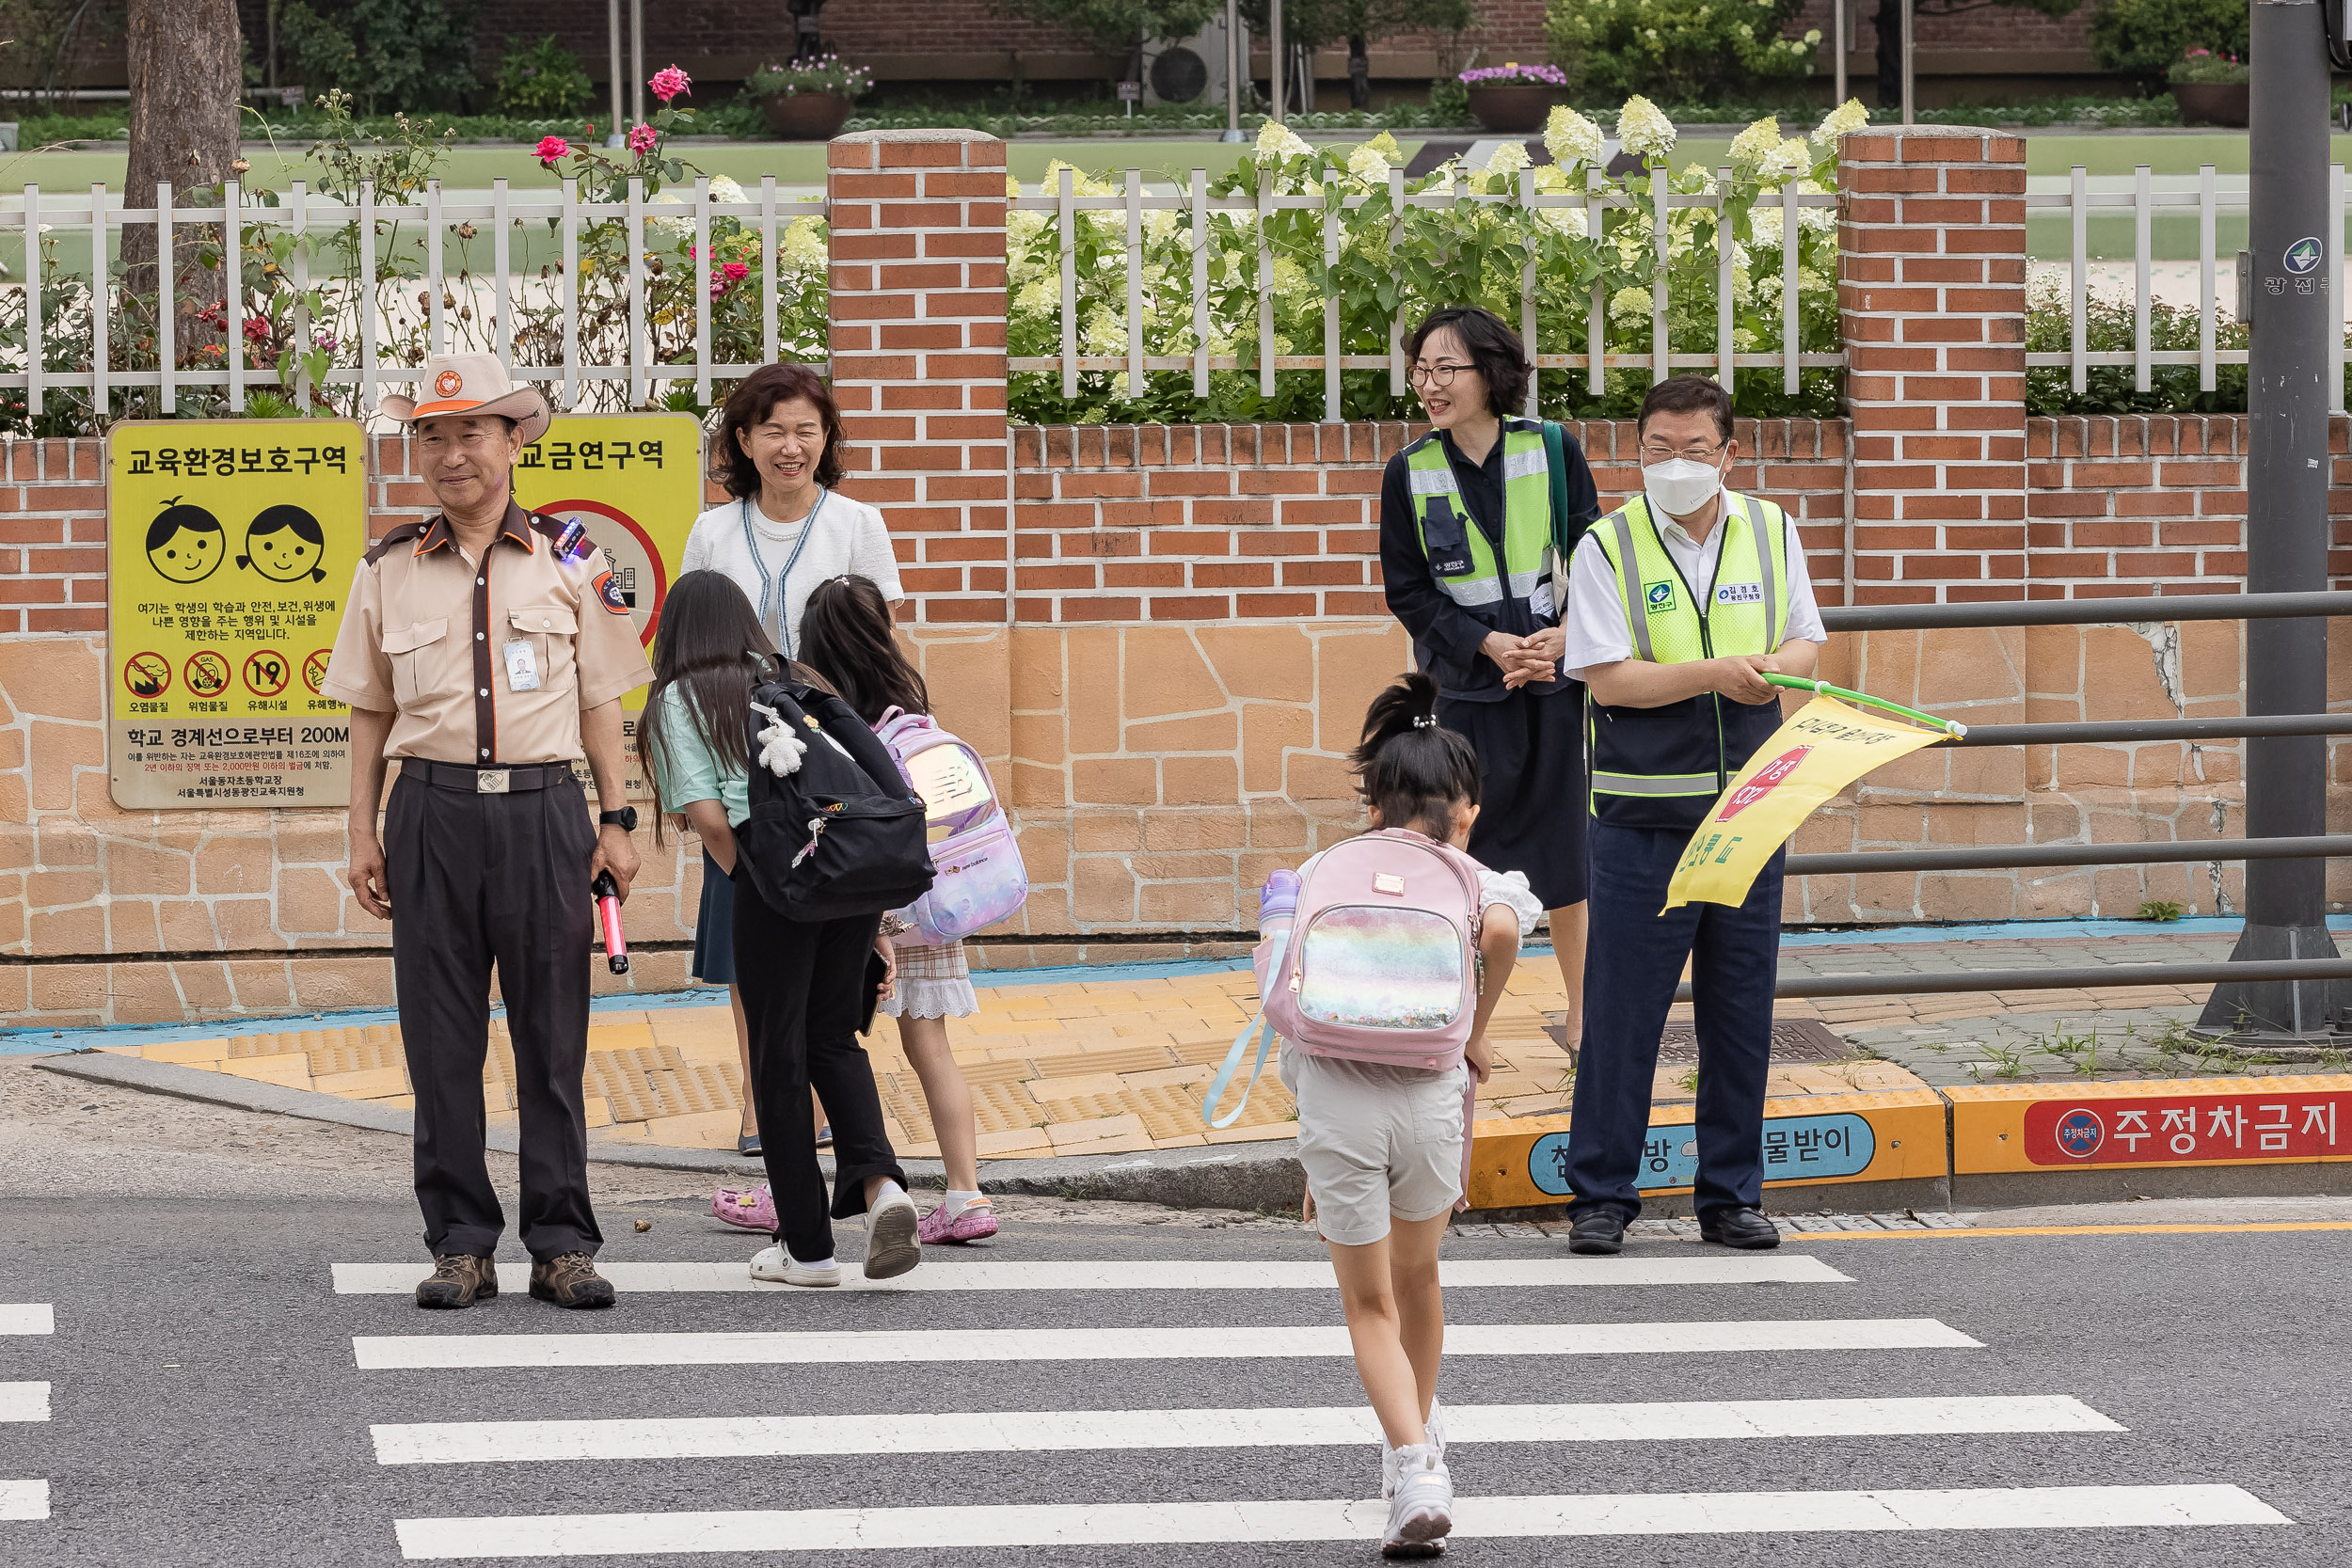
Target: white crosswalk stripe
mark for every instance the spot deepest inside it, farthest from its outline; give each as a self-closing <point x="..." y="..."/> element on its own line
<point x="1245" y="1520"/>
<point x="1788" y="1268"/>
<point x="1801" y="1331"/>
<point x="383" y="1352"/>
<point x="27" y="1318"/>
<point x="23" y="1499"/>
<point x="24" y="1402"/>
<point x="1080" y="1430"/>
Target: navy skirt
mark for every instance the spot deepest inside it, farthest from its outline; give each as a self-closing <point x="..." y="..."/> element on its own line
<point x="714" y="928"/>
<point x="1533" y="809"/>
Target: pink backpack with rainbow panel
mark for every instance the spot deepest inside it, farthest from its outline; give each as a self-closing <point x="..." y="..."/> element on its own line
<point x="980" y="878"/>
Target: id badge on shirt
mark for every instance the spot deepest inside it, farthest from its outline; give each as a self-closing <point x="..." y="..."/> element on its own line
<point x="1539" y="602"/>
<point x="522" y="668"/>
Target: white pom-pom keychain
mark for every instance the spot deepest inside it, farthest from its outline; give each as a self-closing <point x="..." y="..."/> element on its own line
<point x="780" y="749"/>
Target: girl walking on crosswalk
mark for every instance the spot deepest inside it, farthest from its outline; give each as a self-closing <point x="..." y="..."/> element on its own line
<point x="1382" y="1143"/>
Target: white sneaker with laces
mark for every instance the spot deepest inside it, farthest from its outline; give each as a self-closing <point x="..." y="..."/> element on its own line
<point x="1421" y="1513"/>
<point x="892" y="1246"/>
<point x="777" y="1265"/>
<point x="1434" y="1428"/>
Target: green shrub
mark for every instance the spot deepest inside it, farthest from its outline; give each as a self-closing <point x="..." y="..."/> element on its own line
<point x="2204" y="66"/>
<point x="408" y="55"/>
<point x="543" y="81"/>
<point x="2144" y="39"/>
<point x="1685" y="51"/>
<point x="1449" y="101"/>
<point x="2108" y="330"/>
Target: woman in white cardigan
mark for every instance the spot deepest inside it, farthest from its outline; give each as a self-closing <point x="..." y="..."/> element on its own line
<point x="785" y="529"/>
<point x="782" y="531"/>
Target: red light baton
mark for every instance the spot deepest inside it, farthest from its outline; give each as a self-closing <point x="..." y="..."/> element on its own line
<point x="607" y="893"/>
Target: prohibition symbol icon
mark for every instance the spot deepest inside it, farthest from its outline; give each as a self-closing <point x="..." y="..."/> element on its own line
<point x="208" y="674"/>
<point x="314" y="671"/>
<point x="147" y="675"/>
<point x="266" y="672"/>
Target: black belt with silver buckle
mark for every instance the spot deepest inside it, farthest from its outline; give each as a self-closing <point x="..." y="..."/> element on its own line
<point x="468" y="780"/>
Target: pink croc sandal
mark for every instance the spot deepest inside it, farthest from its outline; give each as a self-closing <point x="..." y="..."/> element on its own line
<point x="976" y="1224"/>
<point x="754" y="1208"/>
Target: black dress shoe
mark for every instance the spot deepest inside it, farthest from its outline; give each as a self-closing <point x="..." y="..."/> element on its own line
<point x="1745" y="1228"/>
<point x="1597" y="1233"/>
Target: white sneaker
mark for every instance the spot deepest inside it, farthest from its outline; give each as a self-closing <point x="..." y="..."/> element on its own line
<point x="775" y="1264"/>
<point x="1421" y="1514"/>
<point x="891" y="1244"/>
<point x="1435" y="1428"/>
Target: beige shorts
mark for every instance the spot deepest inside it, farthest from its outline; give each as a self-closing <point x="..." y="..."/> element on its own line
<point x="1377" y="1142"/>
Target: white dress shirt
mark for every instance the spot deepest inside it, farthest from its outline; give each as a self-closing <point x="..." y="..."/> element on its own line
<point x="1595" y="619"/>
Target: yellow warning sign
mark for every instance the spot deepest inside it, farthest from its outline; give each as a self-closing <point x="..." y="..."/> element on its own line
<point x="230" y="544"/>
<point x="635" y="483"/>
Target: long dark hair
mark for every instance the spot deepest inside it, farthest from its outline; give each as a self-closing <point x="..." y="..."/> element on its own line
<point x="1410" y="769"/>
<point x="845" y="636"/>
<point x="708" y="654"/>
<point x="750" y="402"/>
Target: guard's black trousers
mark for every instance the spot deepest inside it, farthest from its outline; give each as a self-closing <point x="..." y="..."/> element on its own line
<point x="804" y="990"/>
<point x="477" y="880"/>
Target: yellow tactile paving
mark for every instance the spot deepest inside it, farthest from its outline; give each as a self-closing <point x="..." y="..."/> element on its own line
<point x="1086" y="1066"/>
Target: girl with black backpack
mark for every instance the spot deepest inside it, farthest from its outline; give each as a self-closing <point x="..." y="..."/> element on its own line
<point x="725" y="714"/>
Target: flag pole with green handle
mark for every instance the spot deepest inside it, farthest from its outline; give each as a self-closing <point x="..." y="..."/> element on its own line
<point x="1951" y="727"/>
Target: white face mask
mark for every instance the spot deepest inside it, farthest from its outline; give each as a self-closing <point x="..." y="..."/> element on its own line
<point x="1680" y="486"/>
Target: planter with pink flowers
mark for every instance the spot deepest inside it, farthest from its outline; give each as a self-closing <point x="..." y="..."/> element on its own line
<point x="809" y="100"/>
<point x="1514" y="99"/>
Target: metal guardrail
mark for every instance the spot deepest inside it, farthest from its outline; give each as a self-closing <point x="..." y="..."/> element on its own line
<point x="2059" y="613"/>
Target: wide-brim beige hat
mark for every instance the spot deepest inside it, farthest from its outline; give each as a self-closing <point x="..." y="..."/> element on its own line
<point x="472" y="384"/>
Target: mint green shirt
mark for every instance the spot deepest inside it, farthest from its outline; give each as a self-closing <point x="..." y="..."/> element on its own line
<point x="691" y="770"/>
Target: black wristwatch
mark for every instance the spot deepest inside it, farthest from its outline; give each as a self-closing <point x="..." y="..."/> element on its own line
<point x="625" y="819"/>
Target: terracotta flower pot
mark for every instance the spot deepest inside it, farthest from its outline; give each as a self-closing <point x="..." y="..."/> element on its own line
<point x="1512" y="107"/>
<point x="805" y="116"/>
<point x="2214" y="103"/>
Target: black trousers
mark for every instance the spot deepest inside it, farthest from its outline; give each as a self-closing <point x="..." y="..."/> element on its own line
<point x="803" y="996"/>
<point x="477" y="880"/>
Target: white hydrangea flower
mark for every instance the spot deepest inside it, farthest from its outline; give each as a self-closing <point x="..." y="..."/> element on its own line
<point x="1742" y="339"/>
<point x="1105" y="333"/>
<point x="1041" y="295"/>
<point x="1848" y="115"/>
<point x="1758" y="143"/>
<point x="1791" y="159"/>
<point x="803" y="244"/>
<point x="724" y="189"/>
<point x="1764" y="226"/>
<point x="1022" y="228"/>
<point x="1275" y="142"/>
<point x="1630" y="303"/>
<point x="1366" y="164"/>
<point x="676" y="228"/>
<point x="1508" y="159"/>
<point x="1644" y="131"/>
<point x="1815" y="221"/>
<point x="1290" y="278"/>
<point x="1571" y="139"/>
<point x="1569" y="220"/>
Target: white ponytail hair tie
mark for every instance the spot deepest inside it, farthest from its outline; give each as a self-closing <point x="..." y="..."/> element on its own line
<point x="1424" y="721"/>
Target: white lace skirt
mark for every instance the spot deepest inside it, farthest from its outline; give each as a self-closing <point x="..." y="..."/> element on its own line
<point x="934" y="982"/>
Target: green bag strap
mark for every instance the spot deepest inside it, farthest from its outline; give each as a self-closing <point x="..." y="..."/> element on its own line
<point x="1556" y="463"/>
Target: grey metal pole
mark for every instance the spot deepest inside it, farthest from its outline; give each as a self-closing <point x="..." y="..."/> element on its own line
<point x="1236" y="58"/>
<point x="613" y="36"/>
<point x="1273" y="54"/>
<point x="637" y="61"/>
<point x="1910" y="88"/>
<point x="2286" y="526"/>
<point x="1837" y="47"/>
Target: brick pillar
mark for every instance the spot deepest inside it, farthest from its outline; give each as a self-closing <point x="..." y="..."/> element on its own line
<point x="1931" y="297"/>
<point x="918" y="367"/>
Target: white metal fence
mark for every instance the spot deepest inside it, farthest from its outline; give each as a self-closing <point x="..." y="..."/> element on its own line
<point x="416" y="287"/>
<point x="1594" y="357"/>
<point x="2079" y="202"/>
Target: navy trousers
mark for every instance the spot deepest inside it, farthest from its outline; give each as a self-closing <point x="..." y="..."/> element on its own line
<point x="1632" y="962"/>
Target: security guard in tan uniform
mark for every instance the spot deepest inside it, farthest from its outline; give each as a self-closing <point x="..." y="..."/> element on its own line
<point x="485" y="662"/>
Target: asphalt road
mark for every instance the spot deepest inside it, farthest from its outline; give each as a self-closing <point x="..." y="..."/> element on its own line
<point x="212" y="1397"/>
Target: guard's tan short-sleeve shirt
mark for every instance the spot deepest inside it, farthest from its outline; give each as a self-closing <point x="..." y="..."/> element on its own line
<point x="487" y="661"/>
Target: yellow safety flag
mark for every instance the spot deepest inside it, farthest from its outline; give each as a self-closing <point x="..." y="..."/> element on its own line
<point x="1826" y="746"/>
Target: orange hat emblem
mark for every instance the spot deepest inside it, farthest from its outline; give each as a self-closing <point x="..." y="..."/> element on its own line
<point x="448" y="384"/>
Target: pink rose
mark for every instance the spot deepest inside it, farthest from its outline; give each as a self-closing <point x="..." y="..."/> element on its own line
<point x="669" y="82"/>
<point x="642" y="138"/>
<point x="257" y="329"/>
<point x="736" y="271"/>
<point x="551" y="149"/>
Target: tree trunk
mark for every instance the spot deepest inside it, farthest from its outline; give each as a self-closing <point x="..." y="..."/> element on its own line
<point x="185" y="77"/>
<point x="1359" y="73"/>
<point x="1889" y="23"/>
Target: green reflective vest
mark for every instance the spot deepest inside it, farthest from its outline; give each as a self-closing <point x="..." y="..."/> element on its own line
<point x="1661" y="767"/>
<point x="1462" y="559"/>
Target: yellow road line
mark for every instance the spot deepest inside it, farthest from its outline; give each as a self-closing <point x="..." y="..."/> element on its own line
<point x="2077" y="1230"/>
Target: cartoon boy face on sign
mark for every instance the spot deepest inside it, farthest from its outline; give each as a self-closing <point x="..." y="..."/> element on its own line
<point x="184" y="544"/>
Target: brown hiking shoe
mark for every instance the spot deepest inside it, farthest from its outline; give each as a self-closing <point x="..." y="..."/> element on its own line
<point x="571" y="1280"/>
<point x="458" y="1279"/>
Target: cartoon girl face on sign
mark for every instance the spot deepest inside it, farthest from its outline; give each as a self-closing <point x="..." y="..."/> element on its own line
<point x="284" y="544"/>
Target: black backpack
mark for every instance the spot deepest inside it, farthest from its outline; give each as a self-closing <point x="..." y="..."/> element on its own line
<point x="839" y="834"/>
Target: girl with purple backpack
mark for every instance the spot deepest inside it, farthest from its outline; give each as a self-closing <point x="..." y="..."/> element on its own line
<point x="845" y="636"/>
<point x="1384" y="1143"/>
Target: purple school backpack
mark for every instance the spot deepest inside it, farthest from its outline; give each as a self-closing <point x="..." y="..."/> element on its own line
<point x="981" y="877"/>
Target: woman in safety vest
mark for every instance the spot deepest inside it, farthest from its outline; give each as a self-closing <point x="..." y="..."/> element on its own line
<point x="1476" y="521"/>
